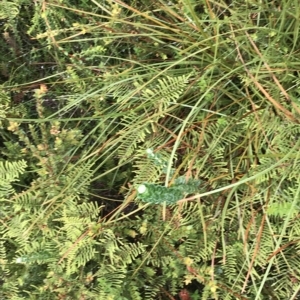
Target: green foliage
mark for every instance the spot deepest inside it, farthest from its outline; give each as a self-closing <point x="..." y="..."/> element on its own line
<point x="9" y="172"/>
<point x="210" y="89"/>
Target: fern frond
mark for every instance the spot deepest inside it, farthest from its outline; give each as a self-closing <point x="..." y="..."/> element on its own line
<point x="165" y="91"/>
<point x="131" y="135"/>
<point x="9" y="172"/>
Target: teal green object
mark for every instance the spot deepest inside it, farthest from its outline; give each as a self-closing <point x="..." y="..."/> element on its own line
<point x="157" y="194"/>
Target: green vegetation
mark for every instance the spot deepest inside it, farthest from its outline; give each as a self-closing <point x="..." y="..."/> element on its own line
<point x="149" y="149"/>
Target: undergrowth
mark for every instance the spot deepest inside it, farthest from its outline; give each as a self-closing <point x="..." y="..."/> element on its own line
<point x="149" y="149"/>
